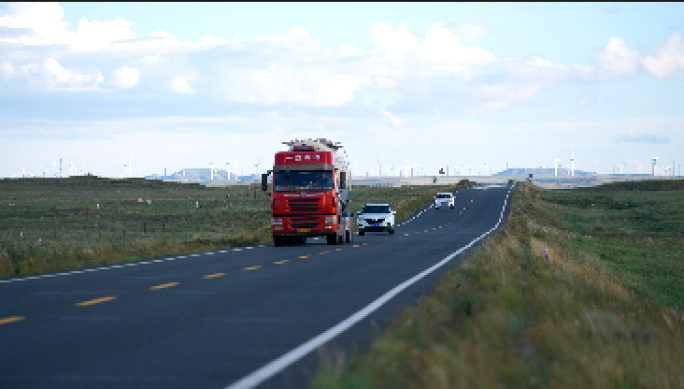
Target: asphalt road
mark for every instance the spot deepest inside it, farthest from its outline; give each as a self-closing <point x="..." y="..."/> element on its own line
<point x="240" y="317"/>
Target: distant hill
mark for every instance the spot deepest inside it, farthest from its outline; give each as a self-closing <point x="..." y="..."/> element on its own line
<point x="541" y="172"/>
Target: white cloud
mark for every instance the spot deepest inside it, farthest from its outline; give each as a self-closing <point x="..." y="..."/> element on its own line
<point x="344" y="50"/>
<point x="668" y="60"/>
<point x="306" y="86"/>
<point x="126" y="77"/>
<point x="57" y="77"/>
<point x="7" y="69"/>
<point x="616" y="57"/>
<point x="396" y="121"/>
<point x="96" y="35"/>
<point x="396" y="44"/>
<point x="468" y="28"/>
<point x="442" y="45"/>
<point x="180" y="85"/>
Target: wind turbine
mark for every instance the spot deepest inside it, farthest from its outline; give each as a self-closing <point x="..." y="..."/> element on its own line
<point x="572" y="163"/>
<point x="256" y="165"/>
<point x="211" y="166"/>
<point x="555" y="165"/>
<point x="71" y="169"/>
<point x="655" y="159"/>
<point x="228" y="163"/>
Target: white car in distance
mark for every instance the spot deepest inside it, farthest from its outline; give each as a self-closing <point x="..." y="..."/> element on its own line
<point x="444" y="200"/>
<point x="376" y="218"/>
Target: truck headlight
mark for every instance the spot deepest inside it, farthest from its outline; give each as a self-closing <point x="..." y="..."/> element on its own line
<point x="330" y="219"/>
<point x="278" y="222"/>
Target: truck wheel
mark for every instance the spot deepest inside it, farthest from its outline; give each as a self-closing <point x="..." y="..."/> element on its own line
<point x="361" y="232"/>
<point x="277" y="241"/>
<point x="452" y="207"/>
<point x="391" y="231"/>
<point x="332" y="239"/>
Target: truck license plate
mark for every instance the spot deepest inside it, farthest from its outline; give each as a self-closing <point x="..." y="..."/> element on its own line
<point x="303" y="229"/>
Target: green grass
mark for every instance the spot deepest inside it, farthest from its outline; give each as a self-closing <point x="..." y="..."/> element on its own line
<point x="592" y="315"/>
<point x="49" y="224"/>
<point x="636" y="230"/>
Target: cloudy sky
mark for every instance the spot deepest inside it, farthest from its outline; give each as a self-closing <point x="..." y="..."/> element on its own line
<point x="182" y="85"/>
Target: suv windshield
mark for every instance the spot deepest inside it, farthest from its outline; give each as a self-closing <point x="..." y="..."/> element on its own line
<point x="443" y="196"/>
<point x="376" y="209"/>
<point x="299" y="180"/>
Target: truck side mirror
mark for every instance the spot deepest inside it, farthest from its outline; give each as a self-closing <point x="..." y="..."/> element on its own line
<point x="343" y="180"/>
<point x="264" y="182"/>
<point x="358" y="212"/>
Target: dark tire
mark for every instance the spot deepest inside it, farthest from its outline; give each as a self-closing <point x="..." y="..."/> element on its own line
<point x="349" y="236"/>
<point x="391" y="231"/>
<point x="333" y="239"/>
<point x="452" y="207"/>
<point x="277" y="241"/>
<point x="361" y="233"/>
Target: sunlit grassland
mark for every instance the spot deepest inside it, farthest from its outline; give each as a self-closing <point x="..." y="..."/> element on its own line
<point x="56" y="224"/>
<point x="604" y="310"/>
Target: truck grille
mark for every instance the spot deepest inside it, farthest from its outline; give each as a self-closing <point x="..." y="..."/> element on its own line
<point x="303" y="205"/>
<point x="375" y="220"/>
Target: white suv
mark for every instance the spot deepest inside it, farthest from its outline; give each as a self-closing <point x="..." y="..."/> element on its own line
<point x="444" y="200"/>
<point x="376" y="218"/>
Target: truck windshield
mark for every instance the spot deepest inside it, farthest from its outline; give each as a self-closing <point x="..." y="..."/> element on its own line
<point x="443" y="196"/>
<point x="376" y="209"/>
<point x="302" y="180"/>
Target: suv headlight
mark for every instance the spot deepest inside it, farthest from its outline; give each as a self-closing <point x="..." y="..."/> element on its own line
<point x="277" y="222"/>
<point x="330" y="219"/>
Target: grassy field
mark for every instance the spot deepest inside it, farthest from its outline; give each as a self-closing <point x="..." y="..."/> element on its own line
<point x="604" y="310"/>
<point x="49" y="224"/>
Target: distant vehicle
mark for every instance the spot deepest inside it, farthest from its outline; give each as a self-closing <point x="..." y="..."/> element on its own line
<point x="444" y="200"/>
<point x="311" y="189"/>
<point x="376" y="218"/>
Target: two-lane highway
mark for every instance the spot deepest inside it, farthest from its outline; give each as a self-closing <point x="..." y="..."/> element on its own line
<point x="242" y="317"/>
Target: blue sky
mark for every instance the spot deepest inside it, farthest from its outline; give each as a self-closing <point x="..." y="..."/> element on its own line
<point x="185" y="84"/>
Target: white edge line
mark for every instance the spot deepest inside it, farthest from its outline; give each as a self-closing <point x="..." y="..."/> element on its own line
<point x="272" y="368"/>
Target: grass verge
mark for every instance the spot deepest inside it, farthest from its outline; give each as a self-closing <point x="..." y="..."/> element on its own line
<point x="506" y="317"/>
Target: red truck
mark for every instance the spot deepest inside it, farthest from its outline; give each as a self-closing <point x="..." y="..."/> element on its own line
<point x="310" y="193"/>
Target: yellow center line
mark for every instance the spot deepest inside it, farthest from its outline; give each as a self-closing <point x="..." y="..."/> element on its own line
<point x="406" y="234"/>
<point x="304" y="256"/>
<point x="281" y="262"/>
<point x="96" y="301"/>
<point x="440" y="226"/>
<point x="324" y="252"/>
<point x="251" y="268"/>
<point x="162" y="286"/>
<point x="417" y="232"/>
<point x="365" y="244"/>
<point x="339" y="249"/>
<point x="356" y="245"/>
<point x="425" y="231"/>
<point x="214" y="275"/>
<point x="433" y="228"/>
<point x="11" y="319"/>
